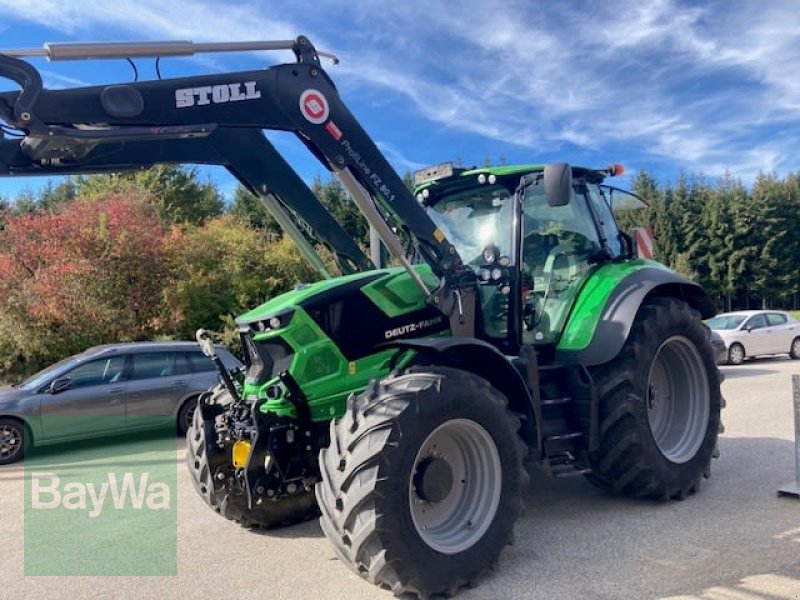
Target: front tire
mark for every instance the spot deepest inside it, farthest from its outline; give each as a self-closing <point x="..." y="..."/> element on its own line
<point x="660" y="406"/>
<point x="13" y="438"/>
<point x="423" y="480"/>
<point x="229" y="503"/>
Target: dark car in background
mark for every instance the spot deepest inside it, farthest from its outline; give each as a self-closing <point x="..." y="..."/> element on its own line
<point x="106" y="390"/>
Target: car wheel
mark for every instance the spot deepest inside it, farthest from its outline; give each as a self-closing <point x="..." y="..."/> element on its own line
<point x="185" y="415"/>
<point x="794" y="351"/>
<point x="736" y="354"/>
<point x="12" y="441"/>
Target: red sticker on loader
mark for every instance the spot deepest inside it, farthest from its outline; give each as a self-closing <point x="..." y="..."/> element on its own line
<point x="335" y="132"/>
<point x="314" y="106"/>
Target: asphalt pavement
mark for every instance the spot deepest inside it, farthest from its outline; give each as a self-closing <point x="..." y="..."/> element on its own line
<point x="734" y="540"/>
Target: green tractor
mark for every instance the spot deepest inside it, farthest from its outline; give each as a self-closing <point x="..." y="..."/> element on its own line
<point x="518" y="330"/>
<point x="585" y="361"/>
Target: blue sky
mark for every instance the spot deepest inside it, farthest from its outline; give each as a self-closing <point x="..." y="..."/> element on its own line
<point x="661" y="85"/>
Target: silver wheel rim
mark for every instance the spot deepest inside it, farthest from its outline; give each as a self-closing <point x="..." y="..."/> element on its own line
<point x="10" y="441"/>
<point x="736" y="354"/>
<point x="456" y="522"/>
<point x="678" y="399"/>
<point x="796" y="347"/>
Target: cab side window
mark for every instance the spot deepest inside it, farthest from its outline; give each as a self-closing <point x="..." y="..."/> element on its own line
<point x="607" y="224"/>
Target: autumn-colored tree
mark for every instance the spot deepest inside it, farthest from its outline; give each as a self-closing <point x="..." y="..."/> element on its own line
<point x="225" y="268"/>
<point x="91" y="272"/>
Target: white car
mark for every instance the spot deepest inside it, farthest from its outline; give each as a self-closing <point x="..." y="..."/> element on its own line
<point x="751" y="333"/>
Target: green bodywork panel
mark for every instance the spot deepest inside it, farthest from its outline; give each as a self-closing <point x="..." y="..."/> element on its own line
<point x="397" y="294"/>
<point x="290" y="299"/>
<point x="325" y="376"/>
<point x="591" y="300"/>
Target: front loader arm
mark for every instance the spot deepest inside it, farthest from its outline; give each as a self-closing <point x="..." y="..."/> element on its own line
<point x="297" y="97"/>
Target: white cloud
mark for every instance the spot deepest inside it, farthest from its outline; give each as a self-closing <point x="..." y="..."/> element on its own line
<point x="704" y="86"/>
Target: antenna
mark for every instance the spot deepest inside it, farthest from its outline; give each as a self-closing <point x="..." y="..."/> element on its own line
<point x="109" y="50"/>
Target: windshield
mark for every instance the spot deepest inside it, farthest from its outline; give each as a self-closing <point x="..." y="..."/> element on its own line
<point x="722" y="322"/>
<point x="476" y="218"/>
<point x="40" y="378"/>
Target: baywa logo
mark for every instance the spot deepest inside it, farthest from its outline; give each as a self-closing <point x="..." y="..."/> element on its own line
<point x="106" y="506"/>
<point x="47" y="493"/>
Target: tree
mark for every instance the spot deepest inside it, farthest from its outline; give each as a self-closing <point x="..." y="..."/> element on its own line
<point x="89" y="273"/>
<point x="175" y="192"/>
<point x="225" y="268"/>
<point x="338" y="202"/>
<point x="53" y="196"/>
<point x="251" y="210"/>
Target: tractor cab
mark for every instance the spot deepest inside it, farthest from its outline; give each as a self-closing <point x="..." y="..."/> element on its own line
<point x="531" y="252"/>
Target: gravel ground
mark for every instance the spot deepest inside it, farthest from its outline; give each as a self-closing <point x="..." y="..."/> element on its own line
<point x="735" y="540"/>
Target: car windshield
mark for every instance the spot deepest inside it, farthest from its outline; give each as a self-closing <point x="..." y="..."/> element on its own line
<point x="477" y="218"/>
<point x="40" y="378"/>
<point x="722" y="322"/>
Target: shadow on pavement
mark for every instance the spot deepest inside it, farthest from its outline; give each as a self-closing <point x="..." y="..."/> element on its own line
<point x="735" y="534"/>
<point x="736" y="372"/>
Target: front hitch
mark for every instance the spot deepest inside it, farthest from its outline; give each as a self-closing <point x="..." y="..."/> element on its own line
<point x="207" y="346"/>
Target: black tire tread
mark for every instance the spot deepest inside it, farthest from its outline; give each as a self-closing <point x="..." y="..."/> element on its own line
<point x="625" y="460"/>
<point x="351" y="471"/>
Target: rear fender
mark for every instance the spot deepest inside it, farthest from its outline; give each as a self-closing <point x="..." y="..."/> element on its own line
<point x="612" y="325"/>
<point x="483" y="359"/>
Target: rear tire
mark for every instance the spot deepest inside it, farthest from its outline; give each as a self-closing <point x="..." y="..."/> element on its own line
<point x="660" y="406"/>
<point x="423" y="480"/>
<point x="794" y="350"/>
<point x="736" y="354"/>
<point x="229" y="503"/>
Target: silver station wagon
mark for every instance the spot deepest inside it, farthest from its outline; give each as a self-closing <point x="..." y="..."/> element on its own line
<point x="107" y="390"/>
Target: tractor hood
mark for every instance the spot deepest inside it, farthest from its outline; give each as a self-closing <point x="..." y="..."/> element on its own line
<point x="390" y="291"/>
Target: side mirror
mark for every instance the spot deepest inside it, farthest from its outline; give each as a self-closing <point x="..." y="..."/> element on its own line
<point x="558" y="184"/>
<point x="59" y="385"/>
